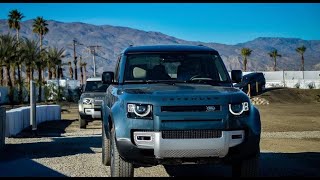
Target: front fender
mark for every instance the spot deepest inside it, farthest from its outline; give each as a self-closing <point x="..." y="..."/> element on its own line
<point x="254" y="121"/>
<point x="105" y="113"/>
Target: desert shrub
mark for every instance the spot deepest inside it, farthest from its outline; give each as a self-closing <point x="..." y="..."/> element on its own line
<point x="54" y="93"/>
<point x="311" y="85"/>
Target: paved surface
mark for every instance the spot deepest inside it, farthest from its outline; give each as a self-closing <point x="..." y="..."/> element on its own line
<point x="78" y="153"/>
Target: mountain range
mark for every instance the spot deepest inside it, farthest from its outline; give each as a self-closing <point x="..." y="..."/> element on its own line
<point x="113" y="39"/>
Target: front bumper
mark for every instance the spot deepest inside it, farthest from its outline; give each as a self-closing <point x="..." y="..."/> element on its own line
<point x="188" y="148"/>
<point x="94" y="113"/>
<point x="178" y="151"/>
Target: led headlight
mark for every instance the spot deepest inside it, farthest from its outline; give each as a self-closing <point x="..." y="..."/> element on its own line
<point x="143" y="111"/>
<point x="238" y="109"/>
<point x="87" y="101"/>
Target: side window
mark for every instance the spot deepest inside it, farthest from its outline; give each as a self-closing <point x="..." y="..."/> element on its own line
<point x="116" y="74"/>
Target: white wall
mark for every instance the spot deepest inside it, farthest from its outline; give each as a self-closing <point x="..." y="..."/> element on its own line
<point x="19" y="118"/>
<point x="291" y="79"/>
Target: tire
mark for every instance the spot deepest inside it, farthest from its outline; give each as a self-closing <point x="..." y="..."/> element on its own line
<point x="246" y="168"/>
<point x="82" y="123"/>
<point x="105" y="148"/>
<point x="118" y="166"/>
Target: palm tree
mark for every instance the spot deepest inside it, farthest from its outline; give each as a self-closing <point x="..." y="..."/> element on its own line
<point x="55" y="56"/>
<point x="30" y="54"/>
<point x="8" y="55"/>
<point x="40" y="27"/>
<point x="70" y="70"/>
<point x="245" y="52"/>
<point x="301" y="51"/>
<point x="14" y="19"/>
<point x="274" y="54"/>
<point x="33" y="60"/>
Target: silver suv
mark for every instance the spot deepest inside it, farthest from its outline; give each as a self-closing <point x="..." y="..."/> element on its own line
<point x="91" y="100"/>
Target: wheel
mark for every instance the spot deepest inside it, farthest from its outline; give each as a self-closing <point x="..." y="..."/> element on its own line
<point x="105" y="148"/>
<point x="82" y="122"/>
<point x="119" y="167"/>
<point x="246" y="168"/>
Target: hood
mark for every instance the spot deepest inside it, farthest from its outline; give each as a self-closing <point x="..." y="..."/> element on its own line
<point x="178" y="94"/>
<point x="95" y="95"/>
<point x="165" y="89"/>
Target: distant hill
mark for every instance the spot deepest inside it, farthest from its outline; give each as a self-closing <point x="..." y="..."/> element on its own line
<point x="113" y="39"/>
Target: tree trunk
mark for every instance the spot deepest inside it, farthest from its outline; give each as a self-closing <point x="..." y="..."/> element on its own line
<point x="20" y="84"/>
<point x="41" y="60"/>
<point x="275" y="64"/>
<point x="54" y="74"/>
<point x="71" y="72"/>
<point x="32" y="72"/>
<point x="85" y="74"/>
<point x="75" y="71"/>
<point x="40" y="84"/>
<point x="1" y="75"/>
<point x="5" y="79"/>
<point x="28" y="72"/>
<point x="13" y="75"/>
<point x="50" y="74"/>
<point x="81" y="74"/>
<point x="10" y="85"/>
<point x="17" y="35"/>
<point x="61" y="72"/>
<point x="245" y="63"/>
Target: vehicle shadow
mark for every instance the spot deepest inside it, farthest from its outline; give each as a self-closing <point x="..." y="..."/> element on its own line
<point x="271" y="165"/>
<point x="26" y="168"/>
<point x="55" y="128"/>
<point x="47" y="129"/>
<point x="272" y="89"/>
<point x="50" y="147"/>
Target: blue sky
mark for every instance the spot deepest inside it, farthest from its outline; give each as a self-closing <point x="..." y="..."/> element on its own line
<point x="227" y="23"/>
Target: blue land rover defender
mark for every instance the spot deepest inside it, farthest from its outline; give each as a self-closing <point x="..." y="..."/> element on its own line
<point x="176" y="104"/>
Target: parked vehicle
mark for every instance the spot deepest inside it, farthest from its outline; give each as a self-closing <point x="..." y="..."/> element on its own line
<point x="255" y="79"/>
<point x="90" y="100"/>
<point x="176" y="104"/>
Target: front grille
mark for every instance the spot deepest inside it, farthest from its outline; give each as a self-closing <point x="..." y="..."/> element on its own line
<point x="190" y="108"/>
<point x="191" y="134"/>
<point x="98" y="102"/>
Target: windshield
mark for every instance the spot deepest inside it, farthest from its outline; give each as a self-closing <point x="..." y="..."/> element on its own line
<point x="95" y="86"/>
<point x="167" y="67"/>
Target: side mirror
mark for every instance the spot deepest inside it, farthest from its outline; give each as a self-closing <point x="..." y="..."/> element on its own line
<point x="236" y="76"/>
<point x="107" y="77"/>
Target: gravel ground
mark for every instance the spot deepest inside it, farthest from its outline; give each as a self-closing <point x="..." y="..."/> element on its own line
<point x="291" y="135"/>
<point x="62" y="149"/>
<point x="78" y="154"/>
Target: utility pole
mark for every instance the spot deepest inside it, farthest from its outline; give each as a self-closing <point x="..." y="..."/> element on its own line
<point x="93" y="52"/>
<point x="75" y="42"/>
<point x="81" y="71"/>
<point x="75" y="60"/>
